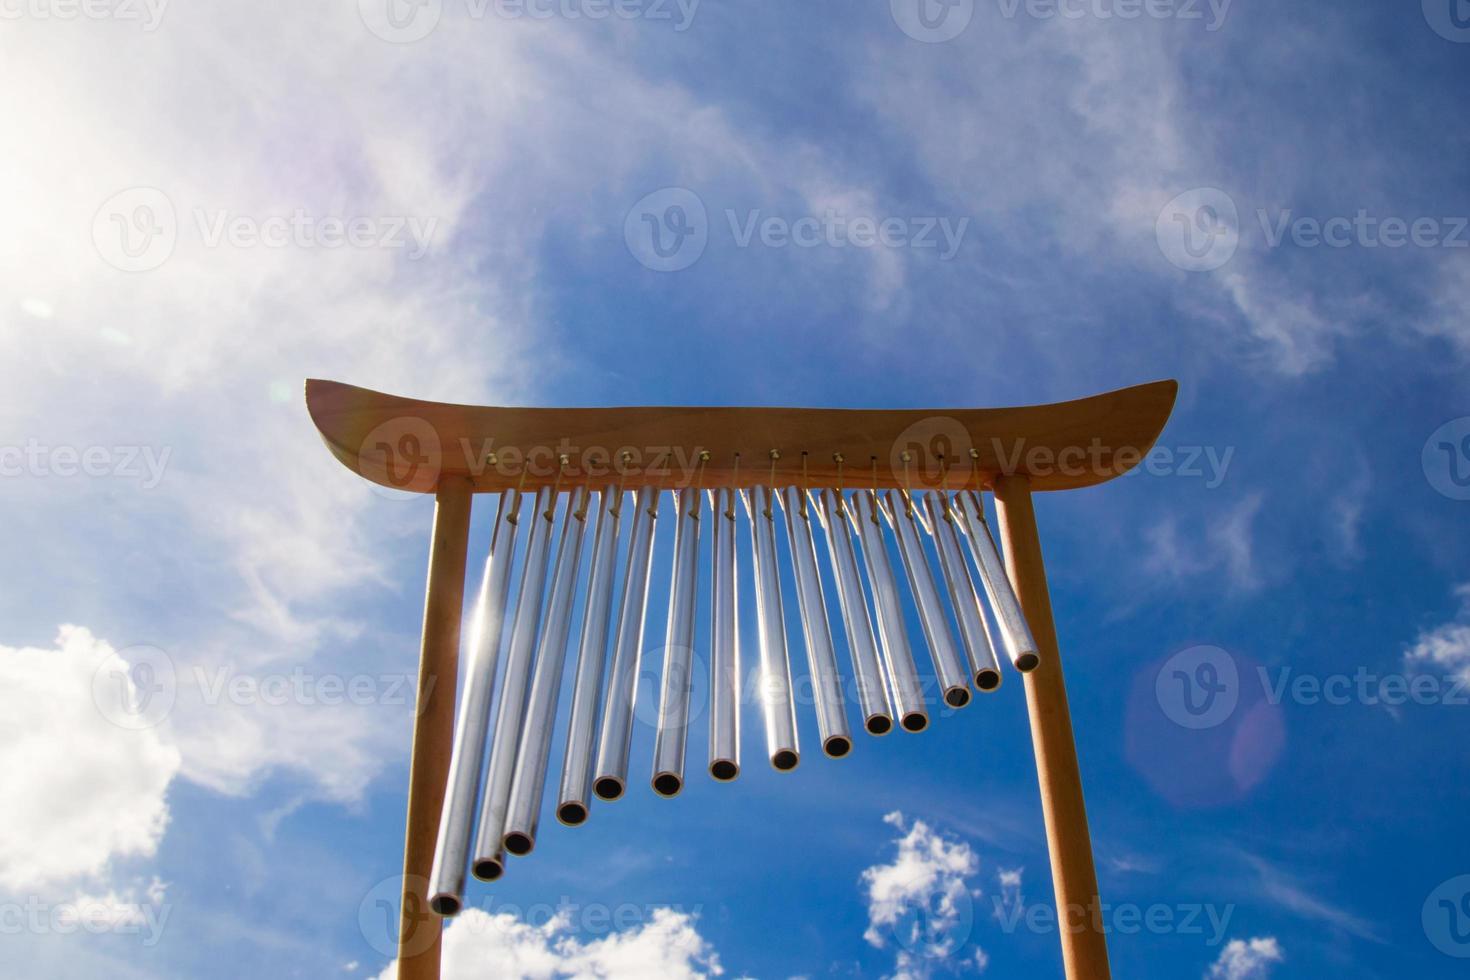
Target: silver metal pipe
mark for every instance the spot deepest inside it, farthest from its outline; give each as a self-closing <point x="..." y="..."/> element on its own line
<point x="948" y="667"/>
<point x="524" y="812"/>
<point x="575" y="798"/>
<point x="622" y="688"/>
<point x="974" y="630"/>
<point x="467" y="757"/>
<point x="872" y="687"/>
<point x="510" y="709"/>
<point x="775" y="693"/>
<point x="1015" y="633"/>
<point x="724" y="699"/>
<point x="815" y="627"/>
<point x="678" y="676"/>
<point x="898" y="657"/>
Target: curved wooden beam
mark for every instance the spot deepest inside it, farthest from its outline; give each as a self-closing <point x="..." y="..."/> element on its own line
<point x="408" y="444"/>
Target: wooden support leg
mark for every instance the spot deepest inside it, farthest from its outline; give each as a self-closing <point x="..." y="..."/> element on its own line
<point x="433" y="732"/>
<point x="1074" y="877"/>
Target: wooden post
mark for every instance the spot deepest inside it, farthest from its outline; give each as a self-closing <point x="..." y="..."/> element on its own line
<point x="1074" y="877"/>
<point x="433" y="732"/>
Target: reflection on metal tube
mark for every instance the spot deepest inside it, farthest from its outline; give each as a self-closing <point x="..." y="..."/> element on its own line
<point x="576" y="773"/>
<point x="867" y="669"/>
<point x="775" y="693"/>
<point x="551" y="653"/>
<point x="622" y="688"/>
<point x="816" y="629"/>
<point x="1019" y="643"/>
<point x="673" y="710"/>
<point x="974" y="631"/>
<point x="908" y="692"/>
<point x="511" y="706"/>
<point x="466" y="761"/>
<point x="947" y="665"/>
<point x="724" y="716"/>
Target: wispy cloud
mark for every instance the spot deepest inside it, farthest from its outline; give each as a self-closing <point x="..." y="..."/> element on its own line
<point x="1446" y="647"/>
<point x="1288" y="893"/>
<point x="1246" y="959"/>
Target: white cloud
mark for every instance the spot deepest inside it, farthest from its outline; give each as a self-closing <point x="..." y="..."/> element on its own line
<point x="1225" y="545"/>
<point x="1109" y="132"/>
<point x="479" y="944"/>
<point x="257" y="537"/>
<point x="923" y="901"/>
<point x="1246" y="960"/>
<point x="85" y="798"/>
<point x="1446" y="647"/>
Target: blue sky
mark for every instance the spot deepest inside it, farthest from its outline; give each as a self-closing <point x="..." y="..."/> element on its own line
<point x="170" y="176"/>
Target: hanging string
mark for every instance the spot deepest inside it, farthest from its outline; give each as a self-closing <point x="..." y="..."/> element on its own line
<point x="735" y="488"/>
<point x="770" y="488"/>
<point x="561" y="467"/>
<point x="804" y="483"/>
<point x="908" y="500"/>
<point x="944" y="486"/>
<point x="515" y="516"/>
<point x="699" y="484"/>
<point x="841" y="497"/>
<point x="622" y="484"/>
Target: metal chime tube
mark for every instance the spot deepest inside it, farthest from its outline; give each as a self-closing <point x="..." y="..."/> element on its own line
<point x="724" y="715"/>
<point x="974" y="630"/>
<point x="867" y="668"/>
<point x="617" y="711"/>
<point x="1015" y="633"/>
<point x="775" y="693"/>
<point x="678" y="675"/>
<point x="947" y="665"/>
<point x="466" y="760"/>
<point x="908" y="692"/>
<point x="816" y="629"/>
<point x="530" y="773"/>
<point x="511" y="707"/>
<point x="575" y="796"/>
